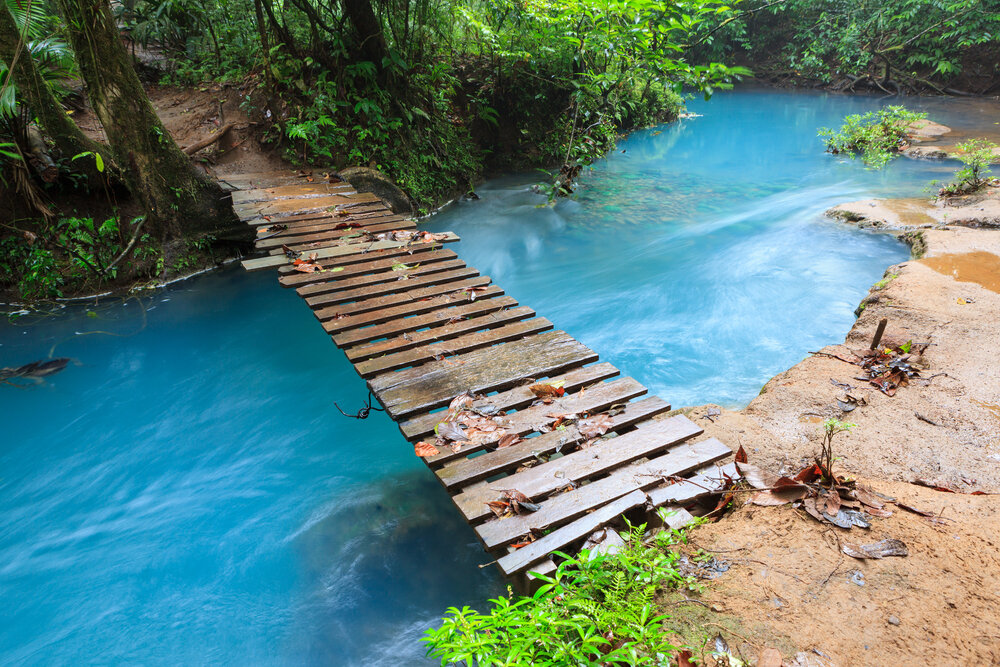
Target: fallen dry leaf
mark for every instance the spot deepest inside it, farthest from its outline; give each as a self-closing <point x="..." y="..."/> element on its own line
<point x="880" y="549"/>
<point x="595" y="426"/>
<point x="425" y="449"/>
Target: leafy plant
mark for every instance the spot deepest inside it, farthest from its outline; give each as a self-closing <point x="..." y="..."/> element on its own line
<point x="976" y="155"/>
<point x="591" y="611"/>
<point x="831" y="428"/>
<point x="875" y="136"/>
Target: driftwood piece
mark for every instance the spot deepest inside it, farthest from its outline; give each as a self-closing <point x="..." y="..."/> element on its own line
<point x="208" y="141"/>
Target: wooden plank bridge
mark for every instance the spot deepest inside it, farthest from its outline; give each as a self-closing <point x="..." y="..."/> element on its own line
<point x="539" y="443"/>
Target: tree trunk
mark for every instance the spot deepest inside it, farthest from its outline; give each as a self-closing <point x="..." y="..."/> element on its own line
<point x="177" y="198"/>
<point x="38" y="97"/>
<point x="371" y="41"/>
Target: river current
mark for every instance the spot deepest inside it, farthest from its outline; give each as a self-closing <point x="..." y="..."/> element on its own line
<point x="186" y="492"/>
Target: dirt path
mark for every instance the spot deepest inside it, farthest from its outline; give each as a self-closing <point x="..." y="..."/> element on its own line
<point x="789" y="580"/>
<point x="194" y="114"/>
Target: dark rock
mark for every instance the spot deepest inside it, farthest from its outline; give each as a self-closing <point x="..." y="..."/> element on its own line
<point x="365" y="179"/>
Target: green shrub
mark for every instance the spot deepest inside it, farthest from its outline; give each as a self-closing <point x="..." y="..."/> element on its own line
<point x="590" y="612"/>
<point x="875" y="136"/>
<point x="976" y="156"/>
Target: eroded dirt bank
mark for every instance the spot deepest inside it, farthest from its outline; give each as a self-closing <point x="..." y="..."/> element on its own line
<point x="790" y="585"/>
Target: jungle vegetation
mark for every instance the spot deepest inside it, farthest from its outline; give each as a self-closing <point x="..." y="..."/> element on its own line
<point x="434" y="93"/>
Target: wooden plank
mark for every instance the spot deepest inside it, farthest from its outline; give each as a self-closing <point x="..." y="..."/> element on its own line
<point x="513" y="399"/>
<point x="597" y="398"/>
<point x="564" y="507"/>
<point x="266" y="179"/>
<point x="374" y="266"/>
<point x="289" y="277"/>
<point x="433" y="318"/>
<point x="333" y="284"/>
<point x="324" y="300"/>
<point x="358" y="225"/>
<point x="286" y="207"/>
<point x="355" y="212"/>
<point x="709" y="479"/>
<point x="650" y="438"/>
<point x="316" y="221"/>
<point x="448" y="332"/>
<point x="557" y="539"/>
<point x="414" y="390"/>
<point x="291" y="191"/>
<point x="272" y="261"/>
<point x="301" y="242"/>
<point x="464" y="472"/>
<point x="388" y="300"/>
<point x="473" y="341"/>
<point x="407" y="310"/>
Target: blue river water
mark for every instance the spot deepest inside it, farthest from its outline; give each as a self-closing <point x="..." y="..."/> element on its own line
<point x="186" y="491"/>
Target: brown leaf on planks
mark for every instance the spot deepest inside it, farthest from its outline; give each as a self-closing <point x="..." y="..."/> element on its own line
<point x="508" y="440"/>
<point x="547" y="390"/>
<point x="425" y="449"/>
<point x="595" y="426"/>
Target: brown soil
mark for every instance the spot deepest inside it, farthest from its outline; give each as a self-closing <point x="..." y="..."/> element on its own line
<point x="790" y="586"/>
<point x="193" y="114"/>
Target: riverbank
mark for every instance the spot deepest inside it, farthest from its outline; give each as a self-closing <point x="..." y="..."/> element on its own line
<point x="790" y="584"/>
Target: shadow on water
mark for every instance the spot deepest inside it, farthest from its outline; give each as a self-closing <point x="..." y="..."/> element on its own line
<point x="384" y="564"/>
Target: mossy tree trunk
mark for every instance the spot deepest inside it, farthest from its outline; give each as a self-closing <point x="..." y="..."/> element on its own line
<point x="35" y="93"/>
<point x="177" y="198"/>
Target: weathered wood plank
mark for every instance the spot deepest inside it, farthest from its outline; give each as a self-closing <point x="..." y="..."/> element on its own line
<point x="376" y="266"/>
<point x="595" y="399"/>
<point x="434" y="318"/>
<point x="318" y="221"/>
<point x="513" y="399"/>
<point x="287" y="207"/>
<point x="288" y="275"/>
<point x="709" y="479"/>
<point x="394" y="313"/>
<point x="291" y="192"/>
<point x="335" y="284"/>
<point x="464" y="472"/>
<point x="272" y="261"/>
<point x="389" y="300"/>
<point x="325" y="220"/>
<point x="408" y="392"/>
<point x="467" y="343"/>
<point x="565" y="507"/>
<point x="324" y="300"/>
<point x="650" y="438"/>
<point x="355" y="212"/>
<point x="263" y="179"/>
<point x="557" y="539"/>
<point x="302" y="242"/>
<point x="386" y="349"/>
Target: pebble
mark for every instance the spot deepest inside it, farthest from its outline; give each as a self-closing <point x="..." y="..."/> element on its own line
<point x="893" y="620"/>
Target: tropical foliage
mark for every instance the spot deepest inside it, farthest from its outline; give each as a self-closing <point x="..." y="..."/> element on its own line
<point x="876" y="136"/>
<point x="592" y="611"/>
<point x="436" y="91"/>
<point x="887" y="44"/>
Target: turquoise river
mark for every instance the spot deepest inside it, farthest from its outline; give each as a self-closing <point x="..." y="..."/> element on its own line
<point x="186" y="492"/>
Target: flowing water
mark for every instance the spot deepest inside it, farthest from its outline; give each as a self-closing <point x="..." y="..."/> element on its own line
<point x="187" y="493"/>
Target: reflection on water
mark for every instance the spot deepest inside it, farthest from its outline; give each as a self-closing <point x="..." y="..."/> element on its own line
<point x="188" y="493"/>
